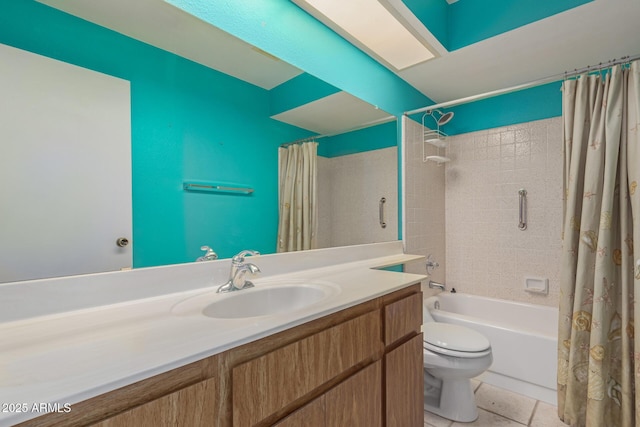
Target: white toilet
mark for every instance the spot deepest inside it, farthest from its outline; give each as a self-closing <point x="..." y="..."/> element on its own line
<point x="452" y="356"/>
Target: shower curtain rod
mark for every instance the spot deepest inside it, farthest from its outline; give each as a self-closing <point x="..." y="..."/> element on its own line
<point x="300" y="141"/>
<point x="363" y="126"/>
<point x="528" y="85"/>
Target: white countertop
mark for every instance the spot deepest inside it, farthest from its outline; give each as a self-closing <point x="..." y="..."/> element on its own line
<point x="69" y="356"/>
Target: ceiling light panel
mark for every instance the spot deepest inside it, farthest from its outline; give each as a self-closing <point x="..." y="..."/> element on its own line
<point x="372" y="27"/>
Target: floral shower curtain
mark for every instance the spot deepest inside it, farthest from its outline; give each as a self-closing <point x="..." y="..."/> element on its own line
<point x="298" y="220"/>
<point x="598" y="352"/>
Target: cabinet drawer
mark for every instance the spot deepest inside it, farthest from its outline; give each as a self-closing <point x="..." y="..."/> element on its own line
<point x="264" y="385"/>
<point x="402" y="318"/>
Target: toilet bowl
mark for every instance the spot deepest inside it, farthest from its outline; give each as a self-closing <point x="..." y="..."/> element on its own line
<point x="452" y="356"/>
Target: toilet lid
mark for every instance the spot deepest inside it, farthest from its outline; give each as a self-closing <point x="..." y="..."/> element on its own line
<point x="454" y="337"/>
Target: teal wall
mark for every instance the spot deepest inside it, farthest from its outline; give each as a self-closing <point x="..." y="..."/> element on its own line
<point x="298" y="91"/>
<point x="467" y="22"/>
<point x="434" y="15"/>
<point x="541" y="102"/>
<point x="358" y="141"/>
<point x="537" y="103"/>
<point x="471" y="21"/>
<point x="188" y="123"/>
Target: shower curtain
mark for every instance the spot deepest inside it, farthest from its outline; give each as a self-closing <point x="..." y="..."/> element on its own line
<point x="298" y="211"/>
<point x="598" y="352"/>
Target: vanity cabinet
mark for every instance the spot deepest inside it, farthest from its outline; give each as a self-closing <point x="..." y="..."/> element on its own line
<point x="361" y="366"/>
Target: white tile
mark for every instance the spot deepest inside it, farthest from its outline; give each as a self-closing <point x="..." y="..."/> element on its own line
<point x="478" y="193"/>
<point x="493" y="139"/>
<point x="488" y="419"/>
<point x="507" y="150"/>
<point x="510" y="405"/>
<point x="507" y="137"/>
<point x="480" y="140"/>
<point x="546" y="415"/>
<point x="433" y="420"/>
<point x="522" y="134"/>
<point x="538" y="130"/>
<point x="507" y="162"/>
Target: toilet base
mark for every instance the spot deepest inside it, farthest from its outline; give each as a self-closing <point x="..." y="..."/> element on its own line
<point x="457" y="401"/>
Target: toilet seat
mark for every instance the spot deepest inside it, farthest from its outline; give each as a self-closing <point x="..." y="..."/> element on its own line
<point x="454" y="340"/>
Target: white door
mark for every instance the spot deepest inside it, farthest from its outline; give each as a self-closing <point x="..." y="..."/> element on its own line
<point x="65" y="168"/>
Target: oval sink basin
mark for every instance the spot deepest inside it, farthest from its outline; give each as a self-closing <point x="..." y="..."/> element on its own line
<point x="264" y="299"/>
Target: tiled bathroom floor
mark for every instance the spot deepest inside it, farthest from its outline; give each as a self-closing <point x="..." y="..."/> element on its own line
<point x="501" y="408"/>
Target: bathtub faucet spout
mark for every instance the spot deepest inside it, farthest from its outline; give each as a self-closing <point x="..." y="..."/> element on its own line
<point x="436" y="285"/>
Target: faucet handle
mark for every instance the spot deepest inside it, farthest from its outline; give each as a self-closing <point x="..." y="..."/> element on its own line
<point x="210" y="255"/>
<point x="239" y="258"/>
<point x="431" y="264"/>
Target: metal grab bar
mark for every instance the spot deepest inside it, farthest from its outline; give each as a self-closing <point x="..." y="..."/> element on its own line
<point x="522" y="224"/>
<point x="381" y="212"/>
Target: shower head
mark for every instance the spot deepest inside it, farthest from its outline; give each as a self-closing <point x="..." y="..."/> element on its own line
<point x="444" y="117"/>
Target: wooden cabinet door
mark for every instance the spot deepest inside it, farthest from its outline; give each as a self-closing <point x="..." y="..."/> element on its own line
<point x="310" y="415"/>
<point x="356" y="402"/>
<point x="404" y="384"/>
<point x="265" y="385"/>
<point x="191" y="406"/>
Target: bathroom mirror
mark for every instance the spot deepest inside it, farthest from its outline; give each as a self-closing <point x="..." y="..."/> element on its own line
<point x="193" y="123"/>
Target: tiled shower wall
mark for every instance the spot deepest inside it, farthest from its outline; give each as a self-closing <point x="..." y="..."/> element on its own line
<point x="486" y="252"/>
<point x="424" y="229"/>
<point x="349" y="192"/>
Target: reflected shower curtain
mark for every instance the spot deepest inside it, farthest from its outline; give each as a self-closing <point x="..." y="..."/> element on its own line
<point x="298" y="211"/>
<point x="598" y="352"/>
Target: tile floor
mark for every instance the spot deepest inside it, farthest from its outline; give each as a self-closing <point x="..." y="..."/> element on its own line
<point x="501" y="408"/>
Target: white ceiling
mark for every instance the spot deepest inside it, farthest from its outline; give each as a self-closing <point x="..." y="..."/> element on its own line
<point x="586" y="35"/>
<point x="160" y="24"/>
<point x="344" y="110"/>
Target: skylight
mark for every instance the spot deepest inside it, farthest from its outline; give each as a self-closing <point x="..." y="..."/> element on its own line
<point x="373" y="28"/>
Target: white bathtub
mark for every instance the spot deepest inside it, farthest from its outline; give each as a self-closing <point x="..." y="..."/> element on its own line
<point x="523" y="338"/>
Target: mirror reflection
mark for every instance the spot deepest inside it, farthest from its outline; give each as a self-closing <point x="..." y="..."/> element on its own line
<point x="216" y="114"/>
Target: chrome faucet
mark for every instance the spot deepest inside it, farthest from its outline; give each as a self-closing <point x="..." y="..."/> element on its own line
<point x="236" y="280"/>
<point x="436" y="285"/>
<point x="209" y="256"/>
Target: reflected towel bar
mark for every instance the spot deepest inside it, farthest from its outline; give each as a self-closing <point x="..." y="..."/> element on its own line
<point x="215" y="188"/>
